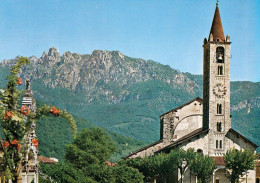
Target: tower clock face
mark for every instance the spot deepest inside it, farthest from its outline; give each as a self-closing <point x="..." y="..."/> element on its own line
<point x="219" y="90"/>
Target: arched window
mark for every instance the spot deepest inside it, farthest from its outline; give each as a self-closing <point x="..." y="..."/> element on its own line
<point x="200" y="151"/>
<point x="220" y="70"/>
<point x="220" y="144"/>
<point x="220" y="54"/>
<point x="216" y="144"/>
<point x="219" y="108"/>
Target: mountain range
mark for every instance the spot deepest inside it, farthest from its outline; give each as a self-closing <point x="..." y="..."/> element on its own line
<point x="126" y="95"/>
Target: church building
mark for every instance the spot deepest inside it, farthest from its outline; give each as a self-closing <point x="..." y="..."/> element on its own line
<point x="205" y="124"/>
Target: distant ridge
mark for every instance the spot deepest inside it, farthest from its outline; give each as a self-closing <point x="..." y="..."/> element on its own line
<point x="127" y="95"/>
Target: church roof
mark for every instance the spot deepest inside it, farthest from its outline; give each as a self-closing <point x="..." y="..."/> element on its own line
<point x="46" y="160"/>
<point x="243" y="137"/>
<point x="184" y="139"/>
<point x="216" y="27"/>
<point x="181" y="106"/>
<point x="144" y="148"/>
<point x="220" y="161"/>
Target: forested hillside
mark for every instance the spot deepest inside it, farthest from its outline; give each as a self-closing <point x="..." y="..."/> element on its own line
<point x="123" y="95"/>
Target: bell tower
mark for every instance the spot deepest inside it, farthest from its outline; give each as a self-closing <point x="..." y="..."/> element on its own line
<point x="216" y="86"/>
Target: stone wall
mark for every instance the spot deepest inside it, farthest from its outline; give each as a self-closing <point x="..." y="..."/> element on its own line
<point x="235" y="141"/>
<point x="182" y="120"/>
<point x="199" y="142"/>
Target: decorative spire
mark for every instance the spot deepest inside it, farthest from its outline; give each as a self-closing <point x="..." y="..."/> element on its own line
<point x="216" y="27"/>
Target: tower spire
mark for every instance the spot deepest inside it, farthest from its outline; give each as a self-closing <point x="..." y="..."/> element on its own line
<point x="216" y="27"/>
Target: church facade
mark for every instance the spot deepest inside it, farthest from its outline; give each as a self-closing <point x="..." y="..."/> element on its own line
<point x="205" y="124"/>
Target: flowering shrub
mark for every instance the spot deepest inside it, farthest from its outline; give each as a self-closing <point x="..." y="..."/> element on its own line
<point x="54" y="111"/>
<point x="25" y="110"/>
<point x="46" y="110"/>
<point x="16" y="123"/>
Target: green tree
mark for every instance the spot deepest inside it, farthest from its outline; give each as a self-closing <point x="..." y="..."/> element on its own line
<point x="154" y="166"/>
<point x="203" y="166"/>
<point x="239" y="162"/>
<point x="63" y="173"/>
<point x="150" y="167"/>
<point x="183" y="159"/>
<point x="86" y="158"/>
<point x="91" y="146"/>
<point x="125" y="174"/>
<point x="102" y="173"/>
<point x="160" y="165"/>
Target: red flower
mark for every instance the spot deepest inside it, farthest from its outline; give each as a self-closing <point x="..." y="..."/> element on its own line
<point x="19" y="146"/>
<point x="25" y="110"/>
<point x="6" y="117"/>
<point x="8" y="114"/>
<point x="20" y="81"/>
<point x="6" y="144"/>
<point x="14" y="142"/>
<point x="35" y="142"/>
<point x="54" y="110"/>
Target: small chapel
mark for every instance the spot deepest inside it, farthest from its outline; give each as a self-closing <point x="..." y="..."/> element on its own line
<point x="205" y="124"/>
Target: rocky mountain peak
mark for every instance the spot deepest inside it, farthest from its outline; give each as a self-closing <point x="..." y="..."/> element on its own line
<point x="52" y="58"/>
<point x="121" y="55"/>
<point x="44" y="55"/>
<point x="100" y="54"/>
<point x="53" y="52"/>
<point x="67" y="54"/>
<point x="101" y="72"/>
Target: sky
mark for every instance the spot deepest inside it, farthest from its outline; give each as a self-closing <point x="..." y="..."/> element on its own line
<point x="167" y="31"/>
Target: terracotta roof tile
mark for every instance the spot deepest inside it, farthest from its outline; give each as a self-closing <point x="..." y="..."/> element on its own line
<point x="109" y="163"/>
<point x="219" y="160"/>
<point x="217" y="28"/>
<point x="45" y="160"/>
